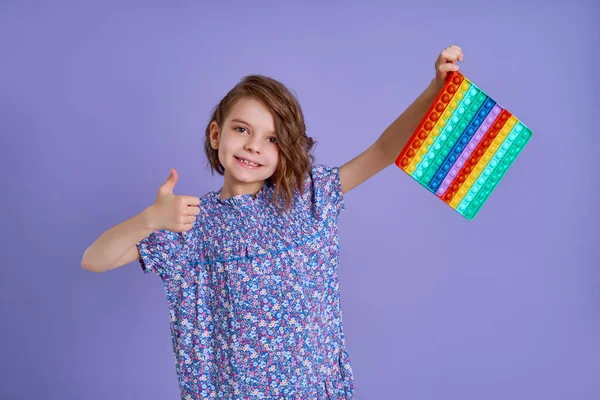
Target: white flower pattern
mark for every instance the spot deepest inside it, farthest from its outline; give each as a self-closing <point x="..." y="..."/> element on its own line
<point x="254" y="296"/>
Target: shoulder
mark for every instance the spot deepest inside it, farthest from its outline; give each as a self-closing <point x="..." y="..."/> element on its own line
<point x="321" y="175"/>
<point x="323" y="170"/>
<point x="323" y="190"/>
<point x="324" y="178"/>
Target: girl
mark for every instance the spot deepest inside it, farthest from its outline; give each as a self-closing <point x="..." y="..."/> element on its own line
<point x="251" y="270"/>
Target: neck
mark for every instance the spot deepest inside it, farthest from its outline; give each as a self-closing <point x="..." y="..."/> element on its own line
<point x="231" y="189"/>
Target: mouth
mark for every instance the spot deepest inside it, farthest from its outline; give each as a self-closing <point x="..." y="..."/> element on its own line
<point x="247" y="163"/>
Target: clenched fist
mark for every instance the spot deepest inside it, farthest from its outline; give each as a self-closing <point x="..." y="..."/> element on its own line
<point x="446" y="63"/>
<point x="172" y="212"/>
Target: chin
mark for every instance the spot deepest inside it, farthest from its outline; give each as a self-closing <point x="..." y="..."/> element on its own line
<point x="248" y="178"/>
<point x="251" y="176"/>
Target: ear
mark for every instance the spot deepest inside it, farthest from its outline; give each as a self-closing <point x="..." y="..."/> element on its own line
<point x="215" y="135"/>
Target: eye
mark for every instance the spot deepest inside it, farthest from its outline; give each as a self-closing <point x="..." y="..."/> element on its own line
<point x="241" y="129"/>
<point x="273" y="139"/>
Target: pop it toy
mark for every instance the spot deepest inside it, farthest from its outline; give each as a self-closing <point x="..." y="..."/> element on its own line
<point x="463" y="146"/>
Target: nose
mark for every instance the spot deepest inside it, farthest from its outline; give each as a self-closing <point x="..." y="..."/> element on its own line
<point x="253" y="144"/>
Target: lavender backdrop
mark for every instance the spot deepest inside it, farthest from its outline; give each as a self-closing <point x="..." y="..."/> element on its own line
<point x="99" y="99"/>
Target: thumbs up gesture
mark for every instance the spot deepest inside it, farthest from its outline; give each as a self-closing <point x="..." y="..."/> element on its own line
<point x="173" y="212"/>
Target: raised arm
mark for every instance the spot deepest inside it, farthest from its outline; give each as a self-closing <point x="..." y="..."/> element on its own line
<point x="390" y="143"/>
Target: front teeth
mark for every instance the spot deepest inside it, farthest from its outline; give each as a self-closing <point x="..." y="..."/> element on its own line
<point x="248" y="162"/>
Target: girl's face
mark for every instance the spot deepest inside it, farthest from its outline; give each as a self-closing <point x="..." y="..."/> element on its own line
<point x="247" y="147"/>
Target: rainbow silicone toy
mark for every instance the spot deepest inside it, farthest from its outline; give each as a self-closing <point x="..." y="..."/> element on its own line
<point x="463" y="146"/>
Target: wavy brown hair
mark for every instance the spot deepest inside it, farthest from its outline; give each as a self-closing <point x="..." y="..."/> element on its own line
<point x="295" y="146"/>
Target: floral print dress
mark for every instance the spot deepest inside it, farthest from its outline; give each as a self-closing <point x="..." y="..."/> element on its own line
<point x="254" y="295"/>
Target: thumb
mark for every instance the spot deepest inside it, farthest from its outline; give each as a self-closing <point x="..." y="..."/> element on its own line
<point x="170" y="183"/>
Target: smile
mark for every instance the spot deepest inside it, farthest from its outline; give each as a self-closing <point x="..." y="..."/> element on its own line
<point x="246" y="163"/>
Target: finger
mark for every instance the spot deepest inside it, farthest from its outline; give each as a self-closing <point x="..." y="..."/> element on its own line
<point x="191" y="200"/>
<point x="449" y="55"/>
<point x="458" y="50"/>
<point x="448" y="67"/>
<point x="192" y="210"/>
<point x="454" y="47"/>
<point x="169" y="184"/>
<point x="187" y="227"/>
<point x="188" y="219"/>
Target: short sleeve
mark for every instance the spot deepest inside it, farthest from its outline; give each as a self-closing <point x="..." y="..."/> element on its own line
<point x="326" y="188"/>
<point x="163" y="251"/>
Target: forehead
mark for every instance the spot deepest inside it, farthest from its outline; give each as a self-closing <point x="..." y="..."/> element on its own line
<point x="252" y="112"/>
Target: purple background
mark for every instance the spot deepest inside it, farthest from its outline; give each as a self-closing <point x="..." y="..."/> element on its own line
<point x="99" y="100"/>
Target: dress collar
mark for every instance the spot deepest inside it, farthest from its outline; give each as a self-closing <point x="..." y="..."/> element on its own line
<point x="247" y="199"/>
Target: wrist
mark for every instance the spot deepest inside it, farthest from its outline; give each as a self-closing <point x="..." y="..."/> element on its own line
<point x="147" y="219"/>
<point x="434" y="86"/>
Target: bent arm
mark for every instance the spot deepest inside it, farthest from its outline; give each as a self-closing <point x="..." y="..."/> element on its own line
<point x="118" y="245"/>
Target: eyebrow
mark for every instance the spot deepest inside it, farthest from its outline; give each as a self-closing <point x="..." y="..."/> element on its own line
<point x="241" y="121"/>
